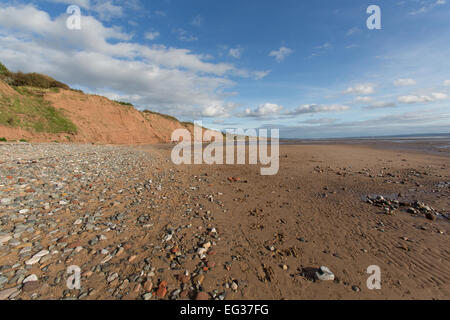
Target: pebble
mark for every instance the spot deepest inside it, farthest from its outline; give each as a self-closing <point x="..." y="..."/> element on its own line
<point x="31" y="286"/>
<point x="5" y="238"/>
<point x="32" y="277"/>
<point x="112" y="277"/>
<point x="324" y="274"/>
<point x="5" y="294"/>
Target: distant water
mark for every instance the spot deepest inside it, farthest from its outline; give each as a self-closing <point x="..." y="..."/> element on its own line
<point x="433" y="143"/>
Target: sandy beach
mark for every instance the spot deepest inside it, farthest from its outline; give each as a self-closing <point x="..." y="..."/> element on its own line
<point x="140" y="227"/>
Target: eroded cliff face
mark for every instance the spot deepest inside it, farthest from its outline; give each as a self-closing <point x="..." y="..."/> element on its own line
<point x="98" y="120"/>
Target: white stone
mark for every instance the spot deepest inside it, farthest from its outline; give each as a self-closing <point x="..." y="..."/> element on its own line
<point x="324" y="274"/>
<point x="109" y="257"/>
<point x="6" y="201"/>
<point x="42" y="253"/>
<point x="5" y="238"/>
<point x="32" y="261"/>
<point x="30" y="278"/>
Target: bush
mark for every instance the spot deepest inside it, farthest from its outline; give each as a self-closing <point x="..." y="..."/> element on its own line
<point x="36" y="80"/>
<point x="3" y="139"/>
<point x="124" y="103"/>
<point x="3" y="69"/>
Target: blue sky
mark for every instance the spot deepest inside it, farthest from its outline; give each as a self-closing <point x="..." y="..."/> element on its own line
<point x="311" y="68"/>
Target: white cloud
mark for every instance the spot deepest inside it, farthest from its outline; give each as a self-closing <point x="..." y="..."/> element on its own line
<point x="106" y="10"/>
<point x="104" y="60"/>
<point x="85" y="4"/>
<point x="361" y="89"/>
<point x="404" y="82"/>
<point x="281" y="53"/>
<point x="197" y="21"/>
<point x="183" y="35"/>
<point x="447" y="83"/>
<point x="428" y="7"/>
<point x="353" y="31"/>
<point x="363" y="99"/>
<point x="217" y="110"/>
<point x="263" y="110"/>
<point x="317" y="108"/>
<point x="411" y="99"/>
<point x="235" y="52"/>
<point x="380" y="105"/>
<point x="151" y="35"/>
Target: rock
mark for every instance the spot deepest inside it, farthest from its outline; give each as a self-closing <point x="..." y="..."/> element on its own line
<point x="77" y="222"/>
<point x="106" y="259"/>
<point x="5" y="294"/>
<point x="112" y="277"/>
<point x="324" y="274"/>
<point x="430" y="216"/>
<point x="147" y="296"/>
<point x="148" y="285"/>
<point x="32" y="261"/>
<point x="199" y="279"/>
<point x="42" y="253"/>
<point x="6" y="201"/>
<point x="234" y="286"/>
<point x="31" y="286"/>
<point x="32" y="277"/>
<point x="207" y="245"/>
<point x="202" y="296"/>
<point x="356" y="288"/>
<point x="184" y="278"/>
<point x="162" y="290"/>
<point x="5" y="238"/>
<point x="120" y="251"/>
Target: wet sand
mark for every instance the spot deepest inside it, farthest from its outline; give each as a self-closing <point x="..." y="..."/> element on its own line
<point x="314" y="213"/>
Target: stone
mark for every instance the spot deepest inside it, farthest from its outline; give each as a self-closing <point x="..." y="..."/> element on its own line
<point x="112" y="277"/>
<point x="234" y="286"/>
<point x="199" y="279"/>
<point x="6" y="201"/>
<point x="32" y="261"/>
<point x="324" y="274"/>
<point x="162" y="290"/>
<point x="148" y="285"/>
<point x="5" y="238"/>
<point x="42" y="253"/>
<point x="5" y="294"/>
<point x="31" y="286"/>
<point x="356" y="288"/>
<point x="147" y="296"/>
<point x="32" y="277"/>
<point x="106" y="259"/>
<point x="430" y="216"/>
